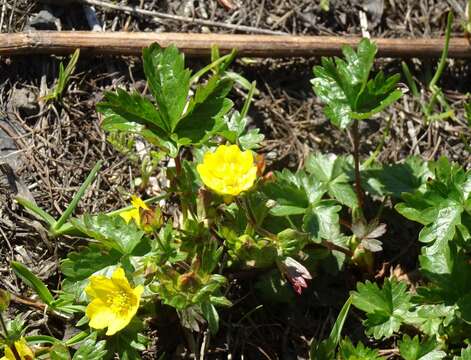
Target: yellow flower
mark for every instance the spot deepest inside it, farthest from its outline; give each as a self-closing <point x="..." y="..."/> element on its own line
<point x="228" y="170"/>
<point x="134" y="214"/>
<point x="23" y="350"/>
<point x="114" y="302"/>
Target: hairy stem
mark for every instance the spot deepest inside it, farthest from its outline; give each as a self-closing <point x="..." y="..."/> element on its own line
<point x="356" y="158"/>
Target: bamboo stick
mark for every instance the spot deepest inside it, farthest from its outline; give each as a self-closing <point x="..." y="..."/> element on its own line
<point x="124" y="43"/>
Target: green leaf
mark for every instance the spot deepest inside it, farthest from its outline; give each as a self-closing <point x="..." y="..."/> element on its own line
<point x="322" y="220"/>
<point x="386" y="307"/>
<point x="81" y="265"/>
<point x="64" y="77"/>
<point x="396" y="179"/>
<point x="292" y="192"/>
<point x="251" y="140"/>
<point x="344" y="87"/>
<point x="90" y="349"/>
<point x="348" y="351"/>
<point x="449" y="274"/>
<point x="81" y="191"/>
<point x="414" y="349"/>
<point x="431" y="318"/>
<point x="447" y="217"/>
<point x="205" y="110"/>
<point x="440" y="205"/>
<point x="129" y="342"/>
<point x="59" y="352"/>
<point x="134" y="108"/>
<point x="111" y="231"/>
<point x="211" y="315"/>
<point x="465" y="354"/>
<point x="325" y="349"/>
<point x="168" y="80"/>
<point x="331" y="171"/>
<point x="33" y="282"/>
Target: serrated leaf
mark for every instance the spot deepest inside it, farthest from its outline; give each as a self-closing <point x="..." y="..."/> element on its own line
<point x="134" y="108"/>
<point x="82" y="264"/>
<point x="111" y="231"/>
<point x="396" y="179"/>
<point x="322" y="220"/>
<point x="90" y="349"/>
<point x="168" y="80"/>
<point x="386" y="307"/>
<point x="293" y="191"/>
<point x="430" y="319"/>
<point x="251" y="140"/>
<point x="331" y="171"/>
<point x="439" y="206"/>
<point x="344" y="87"/>
<point x="205" y="110"/>
<point x="33" y="282"/>
<point x="348" y="351"/>
<point x="449" y="273"/>
<point x="414" y="349"/>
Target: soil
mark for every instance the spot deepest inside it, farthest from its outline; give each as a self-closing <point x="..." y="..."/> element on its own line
<point x="48" y="150"/>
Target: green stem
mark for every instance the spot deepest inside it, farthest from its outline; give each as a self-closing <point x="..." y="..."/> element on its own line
<point x="444" y="57"/>
<point x="73" y="204"/>
<point x="214" y="64"/>
<point x="356" y="158"/>
<point x="441" y="66"/>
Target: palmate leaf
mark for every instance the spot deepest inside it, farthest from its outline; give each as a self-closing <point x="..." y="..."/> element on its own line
<point x="111" y="231"/>
<point x="80" y="265"/>
<point x="431" y="318"/>
<point x="168" y="80"/>
<point x="134" y="108"/>
<point x="440" y="206"/>
<point x="205" y="110"/>
<point x="396" y="179"/>
<point x="348" y="351"/>
<point x="344" y="87"/>
<point x="386" y="308"/>
<point x="414" y="349"/>
<point x="322" y="220"/>
<point x="293" y="192"/>
<point x="331" y="171"/>
<point x="449" y="274"/>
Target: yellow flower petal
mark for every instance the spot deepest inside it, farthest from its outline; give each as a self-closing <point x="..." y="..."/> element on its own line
<point x="118" y="324"/>
<point x="130" y="215"/>
<point x="113" y="301"/>
<point x="100" y="314"/>
<point x="138" y="203"/>
<point x="228" y="170"/>
<point x="23" y="350"/>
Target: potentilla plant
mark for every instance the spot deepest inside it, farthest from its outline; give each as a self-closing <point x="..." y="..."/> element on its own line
<point x="219" y="212"/>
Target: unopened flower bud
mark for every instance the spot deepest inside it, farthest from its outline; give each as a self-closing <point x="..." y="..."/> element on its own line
<point x="188" y="281"/>
<point x="261" y="164"/>
<point x="295" y="273"/>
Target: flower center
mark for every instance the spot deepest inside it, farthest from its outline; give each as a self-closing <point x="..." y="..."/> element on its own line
<point x="120" y="301"/>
